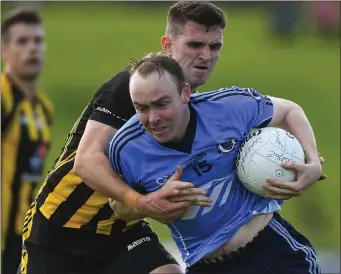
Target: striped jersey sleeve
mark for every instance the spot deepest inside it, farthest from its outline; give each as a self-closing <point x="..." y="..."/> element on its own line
<point x="244" y="108"/>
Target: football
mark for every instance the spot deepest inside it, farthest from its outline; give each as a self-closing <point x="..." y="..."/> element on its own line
<point x="261" y="154"/>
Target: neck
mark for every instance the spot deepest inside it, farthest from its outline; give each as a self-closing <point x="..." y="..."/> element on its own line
<point x="27" y="87"/>
<point x="186" y="117"/>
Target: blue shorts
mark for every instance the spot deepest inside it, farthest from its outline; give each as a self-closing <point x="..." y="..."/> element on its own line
<point x="278" y="249"/>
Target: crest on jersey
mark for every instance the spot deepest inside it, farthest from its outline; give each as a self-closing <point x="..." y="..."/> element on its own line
<point x="227" y="147"/>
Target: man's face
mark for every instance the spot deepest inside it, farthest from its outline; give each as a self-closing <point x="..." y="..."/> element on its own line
<point x="159" y="105"/>
<point x="196" y="49"/>
<point x="23" y="53"/>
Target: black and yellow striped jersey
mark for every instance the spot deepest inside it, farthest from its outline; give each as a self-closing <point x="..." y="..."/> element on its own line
<point x="64" y="199"/>
<point x="25" y="140"/>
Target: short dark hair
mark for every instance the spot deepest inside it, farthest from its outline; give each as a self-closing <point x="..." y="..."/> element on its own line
<point x="159" y="62"/>
<point x="21" y="15"/>
<point x="201" y="12"/>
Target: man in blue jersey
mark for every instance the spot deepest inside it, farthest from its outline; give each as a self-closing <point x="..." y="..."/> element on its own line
<point x="242" y="232"/>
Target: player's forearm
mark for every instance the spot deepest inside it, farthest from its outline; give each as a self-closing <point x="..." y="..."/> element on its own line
<point x="298" y="124"/>
<point x="96" y="171"/>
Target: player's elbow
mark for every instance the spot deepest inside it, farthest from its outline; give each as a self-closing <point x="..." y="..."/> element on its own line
<point x="284" y="110"/>
<point x="81" y="165"/>
<point x="293" y="111"/>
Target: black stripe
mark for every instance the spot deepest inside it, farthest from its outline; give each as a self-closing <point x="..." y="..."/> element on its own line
<point x="268" y="101"/>
<point x="207" y="93"/>
<point x="127" y="128"/>
<point x="233" y="91"/>
<point x="17" y="185"/>
<point x="25" y="230"/>
<point x="28" y="217"/>
<point x="210" y="93"/>
<point x="73" y="202"/>
<point x="123" y="134"/>
<point x="122" y="146"/>
<point x="264" y="123"/>
<point x="53" y="181"/>
<point x="27" y="221"/>
<point x="220" y="97"/>
<point x="103" y="214"/>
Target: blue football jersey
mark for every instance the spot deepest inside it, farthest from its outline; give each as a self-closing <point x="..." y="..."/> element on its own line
<point x="220" y="121"/>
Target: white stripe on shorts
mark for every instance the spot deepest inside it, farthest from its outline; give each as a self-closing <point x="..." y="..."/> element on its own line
<point x="310" y="257"/>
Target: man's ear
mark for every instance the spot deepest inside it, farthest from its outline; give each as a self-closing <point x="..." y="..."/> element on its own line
<point x="186" y="93"/>
<point x="166" y="43"/>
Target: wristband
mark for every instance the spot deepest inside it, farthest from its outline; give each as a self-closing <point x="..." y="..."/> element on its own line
<point x="131" y="199"/>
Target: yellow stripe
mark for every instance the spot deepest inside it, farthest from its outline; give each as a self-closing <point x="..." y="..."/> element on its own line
<point x="24" y="259"/>
<point x="8" y="167"/>
<point x="104" y="226"/>
<point x="59" y="164"/>
<point x="130" y="224"/>
<point x="26" y="106"/>
<point x="26" y="234"/>
<point x="45" y="131"/>
<point x="88" y="210"/>
<point x="60" y="193"/>
<point x="24" y="205"/>
<point x="6" y="94"/>
<point x="46" y="103"/>
<point x="69" y="158"/>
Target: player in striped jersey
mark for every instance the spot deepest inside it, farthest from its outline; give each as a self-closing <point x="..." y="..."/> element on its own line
<point x="26" y="117"/>
<point x="173" y="127"/>
<point x="70" y="227"/>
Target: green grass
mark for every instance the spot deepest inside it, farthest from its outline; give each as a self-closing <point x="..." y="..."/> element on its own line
<point x="89" y="42"/>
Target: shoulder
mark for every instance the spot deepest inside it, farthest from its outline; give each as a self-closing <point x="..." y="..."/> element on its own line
<point x="112" y="104"/>
<point x="6" y="94"/>
<point x="117" y="84"/>
<point x="46" y="103"/>
<point x="10" y="96"/>
<point x="127" y="136"/>
<point x="223" y="94"/>
<point x="126" y="143"/>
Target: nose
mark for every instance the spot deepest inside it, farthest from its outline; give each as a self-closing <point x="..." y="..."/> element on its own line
<point x="32" y="46"/>
<point x="205" y="53"/>
<point x="154" y="116"/>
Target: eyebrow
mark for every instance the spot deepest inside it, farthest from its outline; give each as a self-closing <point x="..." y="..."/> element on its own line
<point x="198" y="43"/>
<point x="152" y="102"/>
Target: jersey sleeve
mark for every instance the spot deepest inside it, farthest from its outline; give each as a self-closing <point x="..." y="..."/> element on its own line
<point x="255" y="110"/>
<point x="119" y="161"/>
<point x="112" y="104"/>
<point x="243" y="108"/>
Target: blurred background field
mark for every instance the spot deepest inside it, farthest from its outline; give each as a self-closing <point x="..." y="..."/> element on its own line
<point x="88" y="42"/>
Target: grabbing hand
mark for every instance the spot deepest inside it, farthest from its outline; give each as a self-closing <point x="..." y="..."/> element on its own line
<point x="195" y="196"/>
<point x="172" y="201"/>
<point x="306" y="176"/>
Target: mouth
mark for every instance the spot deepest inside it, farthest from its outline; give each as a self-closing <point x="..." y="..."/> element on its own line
<point x="33" y="61"/>
<point x="158" y="130"/>
<point x="203" y="68"/>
